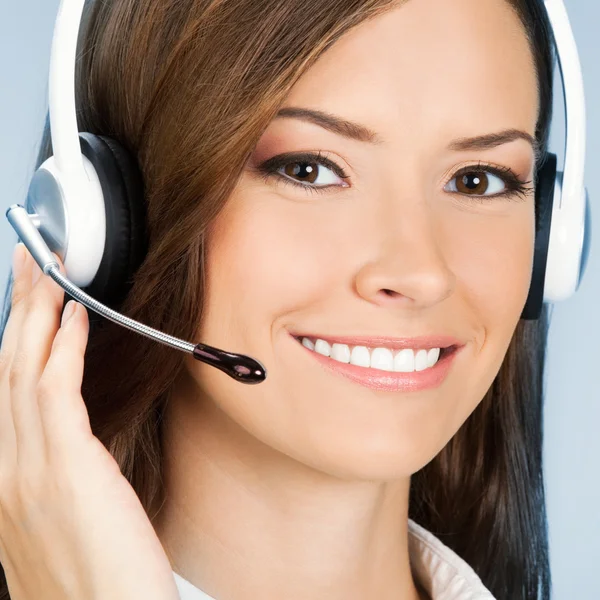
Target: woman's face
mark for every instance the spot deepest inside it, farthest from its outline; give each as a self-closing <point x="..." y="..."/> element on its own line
<point x="408" y="243"/>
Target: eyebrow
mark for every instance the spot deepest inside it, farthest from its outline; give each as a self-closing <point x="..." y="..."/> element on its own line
<point x="492" y="140"/>
<point x="332" y="123"/>
<point x="361" y="133"/>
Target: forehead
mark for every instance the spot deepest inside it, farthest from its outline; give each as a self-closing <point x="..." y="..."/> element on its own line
<point x="429" y="67"/>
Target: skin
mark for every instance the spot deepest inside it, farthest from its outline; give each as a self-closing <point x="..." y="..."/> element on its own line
<point x="298" y="487"/>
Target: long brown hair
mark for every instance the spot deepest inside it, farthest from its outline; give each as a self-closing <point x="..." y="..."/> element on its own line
<point x="188" y="86"/>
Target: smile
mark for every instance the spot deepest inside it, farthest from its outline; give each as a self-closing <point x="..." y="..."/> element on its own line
<point x="384" y="368"/>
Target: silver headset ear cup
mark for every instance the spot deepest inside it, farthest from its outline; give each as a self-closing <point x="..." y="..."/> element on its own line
<point x="126" y="242"/>
<point x="544" y="199"/>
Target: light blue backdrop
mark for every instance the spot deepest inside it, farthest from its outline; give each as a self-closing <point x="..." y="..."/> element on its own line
<point x="572" y="445"/>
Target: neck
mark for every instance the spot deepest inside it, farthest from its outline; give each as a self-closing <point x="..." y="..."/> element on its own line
<point x="242" y="520"/>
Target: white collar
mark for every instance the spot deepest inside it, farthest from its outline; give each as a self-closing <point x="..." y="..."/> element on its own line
<point x="439" y="570"/>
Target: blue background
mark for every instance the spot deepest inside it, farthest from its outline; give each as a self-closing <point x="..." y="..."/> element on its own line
<point x="572" y="442"/>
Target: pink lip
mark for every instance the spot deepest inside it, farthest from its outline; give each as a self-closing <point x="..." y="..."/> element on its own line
<point x="389" y="381"/>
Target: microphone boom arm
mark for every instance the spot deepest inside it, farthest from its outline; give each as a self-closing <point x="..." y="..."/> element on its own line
<point x="238" y="366"/>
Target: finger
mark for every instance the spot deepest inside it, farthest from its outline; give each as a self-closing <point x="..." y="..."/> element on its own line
<point x="20" y="288"/>
<point x="22" y="267"/>
<point x="64" y="416"/>
<point x="43" y="308"/>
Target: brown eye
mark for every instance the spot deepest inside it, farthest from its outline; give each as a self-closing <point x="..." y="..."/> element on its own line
<point x="473" y="183"/>
<point x="305" y="172"/>
<point x="309" y="171"/>
<point x="478" y="183"/>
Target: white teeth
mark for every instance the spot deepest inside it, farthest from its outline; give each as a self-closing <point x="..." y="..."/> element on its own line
<point x="382" y="358"/>
<point x="308" y="344"/>
<point x="340" y="352"/>
<point x="432" y="356"/>
<point x="421" y="360"/>
<point x="361" y="357"/>
<point x="406" y="360"/>
<point x="322" y="347"/>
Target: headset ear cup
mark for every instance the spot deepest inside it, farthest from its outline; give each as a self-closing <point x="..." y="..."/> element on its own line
<point x="544" y="200"/>
<point x="126" y="239"/>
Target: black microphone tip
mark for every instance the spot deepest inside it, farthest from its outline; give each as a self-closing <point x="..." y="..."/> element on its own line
<point x="238" y="366"/>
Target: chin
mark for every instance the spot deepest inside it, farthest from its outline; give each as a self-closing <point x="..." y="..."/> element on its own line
<point x="372" y="458"/>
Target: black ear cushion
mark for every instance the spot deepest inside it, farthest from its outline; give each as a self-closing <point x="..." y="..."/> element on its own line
<point x="544" y="200"/>
<point x="126" y="240"/>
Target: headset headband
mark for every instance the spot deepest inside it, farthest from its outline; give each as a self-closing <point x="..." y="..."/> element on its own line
<point x="574" y="97"/>
<point x="63" y="116"/>
<point x="63" y="121"/>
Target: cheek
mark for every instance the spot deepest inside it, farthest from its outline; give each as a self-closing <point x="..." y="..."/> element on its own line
<point x="496" y="259"/>
<point x="272" y="259"/>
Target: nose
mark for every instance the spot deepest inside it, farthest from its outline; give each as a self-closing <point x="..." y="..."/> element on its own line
<point x="407" y="265"/>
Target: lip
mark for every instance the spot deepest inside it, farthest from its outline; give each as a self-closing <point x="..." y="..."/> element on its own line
<point x="425" y="342"/>
<point x="389" y="381"/>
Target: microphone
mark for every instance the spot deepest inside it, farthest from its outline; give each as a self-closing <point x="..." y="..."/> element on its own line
<point x="238" y="366"/>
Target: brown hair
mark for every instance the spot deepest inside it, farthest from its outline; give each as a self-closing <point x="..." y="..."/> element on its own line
<point x="188" y="86"/>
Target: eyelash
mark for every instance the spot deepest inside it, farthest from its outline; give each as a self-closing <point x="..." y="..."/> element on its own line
<point x="270" y="168"/>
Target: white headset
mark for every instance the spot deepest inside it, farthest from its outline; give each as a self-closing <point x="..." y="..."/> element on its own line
<point x="76" y="196"/>
<point x="570" y="231"/>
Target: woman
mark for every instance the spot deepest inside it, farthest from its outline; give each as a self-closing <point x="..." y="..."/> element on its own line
<point x="314" y="197"/>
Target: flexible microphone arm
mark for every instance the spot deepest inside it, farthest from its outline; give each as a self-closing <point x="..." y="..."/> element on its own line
<point x="238" y="366"/>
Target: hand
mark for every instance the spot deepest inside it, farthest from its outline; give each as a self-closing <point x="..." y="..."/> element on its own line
<point x="71" y="526"/>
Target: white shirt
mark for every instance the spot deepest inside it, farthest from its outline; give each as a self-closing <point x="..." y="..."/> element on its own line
<point x="439" y="570"/>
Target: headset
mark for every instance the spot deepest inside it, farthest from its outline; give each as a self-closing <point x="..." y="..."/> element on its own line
<point x="86" y="203"/>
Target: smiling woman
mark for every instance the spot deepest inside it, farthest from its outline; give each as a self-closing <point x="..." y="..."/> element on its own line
<point x="345" y="190"/>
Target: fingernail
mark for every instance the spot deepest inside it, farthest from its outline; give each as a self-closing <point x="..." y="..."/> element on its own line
<point x="68" y="312"/>
<point x="18" y="260"/>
